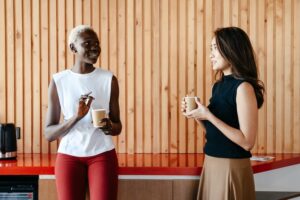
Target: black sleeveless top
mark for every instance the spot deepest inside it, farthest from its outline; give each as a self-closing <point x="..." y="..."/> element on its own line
<point x="223" y="106"/>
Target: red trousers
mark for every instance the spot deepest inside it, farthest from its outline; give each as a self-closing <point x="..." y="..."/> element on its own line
<point x="100" y="172"/>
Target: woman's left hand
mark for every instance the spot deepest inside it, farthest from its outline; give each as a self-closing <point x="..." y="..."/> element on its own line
<point x="201" y="112"/>
<point x="107" y="128"/>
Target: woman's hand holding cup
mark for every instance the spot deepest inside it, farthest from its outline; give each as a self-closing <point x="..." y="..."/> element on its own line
<point x="199" y="112"/>
<point x="188" y="104"/>
<point x="192" y="108"/>
<point x="107" y="128"/>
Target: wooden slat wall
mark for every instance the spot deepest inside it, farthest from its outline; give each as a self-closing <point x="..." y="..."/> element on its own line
<point x="159" y="50"/>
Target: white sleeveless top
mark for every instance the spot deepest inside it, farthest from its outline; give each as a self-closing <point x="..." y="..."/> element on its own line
<point x="83" y="139"/>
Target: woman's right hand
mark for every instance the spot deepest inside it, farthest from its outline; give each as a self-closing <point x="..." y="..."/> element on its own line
<point x="84" y="106"/>
<point x="183" y="105"/>
<point x="190" y="114"/>
<point x="200" y="113"/>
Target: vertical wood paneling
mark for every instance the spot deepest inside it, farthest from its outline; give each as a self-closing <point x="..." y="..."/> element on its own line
<point x="182" y="71"/>
<point x="27" y="129"/>
<point x="208" y="34"/>
<point x="217" y="19"/>
<point x="19" y="69"/>
<point x="36" y="75"/>
<point x="113" y="41"/>
<point x="226" y="12"/>
<point x="200" y="69"/>
<point x="288" y="78"/>
<point x="44" y="69"/>
<point x="113" y="37"/>
<point x="139" y="97"/>
<point x="296" y="83"/>
<point x="260" y="53"/>
<point x="253" y="37"/>
<point x="244" y="14"/>
<point x="279" y="38"/>
<point x="104" y="34"/>
<point x="191" y="70"/>
<point x="270" y="81"/>
<point x="78" y="15"/>
<point x="156" y="85"/>
<point x="147" y="65"/>
<point x="173" y="65"/>
<point x="159" y="50"/>
<point x="70" y="25"/>
<point x="3" y="107"/>
<point x="95" y="20"/>
<point x="86" y="14"/>
<point x="164" y="68"/>
<point x="130" y="112"/>
<point x="10" y="70"/>
<point x="234" y="12"/>
<point x="122" y="72"/>
<point x="61" y="23"/>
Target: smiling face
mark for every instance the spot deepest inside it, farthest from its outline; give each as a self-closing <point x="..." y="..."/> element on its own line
<point x="86" y="47"/>
<point x="217" y="60"/>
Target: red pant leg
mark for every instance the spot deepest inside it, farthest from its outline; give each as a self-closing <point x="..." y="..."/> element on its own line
<point x="103" y="176"/>
<point x="70" y="174"/>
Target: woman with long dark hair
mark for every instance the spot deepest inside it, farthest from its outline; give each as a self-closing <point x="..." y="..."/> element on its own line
<point x="231" y="118"/>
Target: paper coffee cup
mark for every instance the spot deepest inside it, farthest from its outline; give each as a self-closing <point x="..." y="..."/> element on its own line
<point x="190" y="103"/>
<point x="97" y="116"/>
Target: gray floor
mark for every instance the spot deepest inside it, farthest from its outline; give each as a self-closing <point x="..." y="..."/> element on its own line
<point x="277" y="195"/>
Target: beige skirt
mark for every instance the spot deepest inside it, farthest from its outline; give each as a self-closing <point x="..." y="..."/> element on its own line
<point x="226" y="179"/>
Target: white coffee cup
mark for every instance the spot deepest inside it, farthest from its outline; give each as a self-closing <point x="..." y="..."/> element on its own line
<point x="190" y="103"/>
<point x="98" y="115"/>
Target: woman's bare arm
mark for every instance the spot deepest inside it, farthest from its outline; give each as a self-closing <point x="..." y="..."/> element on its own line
<point x="248" y="118"/>
<point x="54" y="129"/>
<point x="114" y="110"/>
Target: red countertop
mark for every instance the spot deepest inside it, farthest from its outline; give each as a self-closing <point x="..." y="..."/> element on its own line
<point x="138" y="164"/>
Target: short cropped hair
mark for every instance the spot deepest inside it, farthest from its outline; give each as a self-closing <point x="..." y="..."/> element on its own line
<point x="76" y="31"/>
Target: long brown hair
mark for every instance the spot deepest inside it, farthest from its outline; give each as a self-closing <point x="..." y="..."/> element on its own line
<point x="235" y="47"/>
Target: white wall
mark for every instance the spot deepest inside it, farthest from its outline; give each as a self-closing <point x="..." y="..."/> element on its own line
<point x="282" y="179"/>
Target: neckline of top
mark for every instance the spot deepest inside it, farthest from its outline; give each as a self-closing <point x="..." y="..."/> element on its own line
<point x="83" y="75"/>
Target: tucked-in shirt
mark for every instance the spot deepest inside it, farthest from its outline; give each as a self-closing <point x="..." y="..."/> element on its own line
<point x="83" y="139"/>
<point x="223" y="106"/>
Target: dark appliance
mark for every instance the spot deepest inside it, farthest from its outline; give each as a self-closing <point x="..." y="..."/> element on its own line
<point x="18" y="187"/>
<point x="8" y="141"/>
